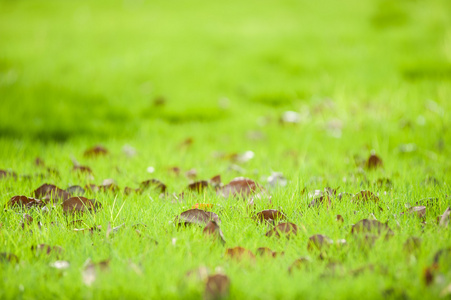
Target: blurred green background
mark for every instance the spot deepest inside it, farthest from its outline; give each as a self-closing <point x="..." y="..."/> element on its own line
<point x="119" y="68"/>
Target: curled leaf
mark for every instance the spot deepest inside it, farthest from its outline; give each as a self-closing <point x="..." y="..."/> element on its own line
<point x="212" y="229"/>
<point x="24" y="202"/>
<point x="198" y="186"/>
<point x="373" y="162"/>
<point x="48" y="192"/>
<point x="371" y="226"/>
<point x="239" y="187"/>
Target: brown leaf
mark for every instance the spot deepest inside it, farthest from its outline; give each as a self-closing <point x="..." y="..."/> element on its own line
<point x="109" y="185"/>
<point x="95" y="151"/>
<point x="217" y="287"/>
<point x="318" y="242"/>
<point x="371" y="226"/>
<point x="444" y="220"/>
<point x="239" y="187"/>
<point x="75" y="190"/>
<point x="429" y="274"/>
<point x="270" y="215"/>
<point x="191" y="174"/>
<point x="340" y="219"/>
<point x="24" y="202"/>
<point x="215" y="181"/>
<point x="7" y="174"/>
<point x="82" y="169"/>
<point x="39" y="162"/>
<point x="196" y="216"/>
<point x="47" y="249"/>
<point x="48" y="192"/>
<point x="8" y="257"/>
<point x="153" y="183"/>
<point x="80" y="204"/>
<point x="373" y="162"/>
<point x="212" y="229"/>
<point x="365" y="196"/>
<point x="419" y="211"/>
<point x="91" y="270"/>
<point x="26" y="220"/>
<point x="298" y="264"/>
<point x="198" y="186"/>
<point x="239" y="253"/>
<point x="265" y="251"/>
<point x="283" y="229"/>
<point x="321" y="201"/>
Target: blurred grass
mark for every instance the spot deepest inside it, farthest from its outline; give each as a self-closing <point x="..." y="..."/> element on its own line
<point x="94" y="68"/>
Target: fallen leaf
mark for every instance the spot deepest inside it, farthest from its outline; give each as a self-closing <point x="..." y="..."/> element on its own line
<point x="429" y="274"/>
<point x="198" y="186"/>
<point x="217" y="287"/>
<point x="196" y="216"/>
<point x="95" y="151"/>
<point x="153" y="183"/>
<point x="191" y="174"/>
<point x="212" y="229"/>
<point x="319" y="242"/>
<point x="80" y="204"/>
<point x="239" y="253"/>
<point x="6" y="174"/>
<point x="365" y="196"/>
<point x="26" y="220"/>
<point x="50" y="192"/>
<point x="109" y="185"/>
<point x="82" y="169"/>
<point x="419" y="211"/>
<point x="444" y="252"/>
<point x="270" y="215"/>
<point x="90" y="271"/>
<point x="239" y="187"/>
<point x="215" y="181"/>
<point x="24" y="202"/>
<point x="371" y="226"/>
<point x="340" y="219"/>
<point x="373" y="162"/>
<point x="75" y="190"/>
<point x="298" y="264"/>
<point x="444" y="220"/>
<point x="8" y="257"/>
<point x="283" y="229"/>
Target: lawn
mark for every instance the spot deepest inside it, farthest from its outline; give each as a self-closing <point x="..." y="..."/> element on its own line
<point x="332" y="98"/>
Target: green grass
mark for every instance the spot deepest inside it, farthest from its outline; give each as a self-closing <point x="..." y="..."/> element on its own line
<point x="363" y="76"/>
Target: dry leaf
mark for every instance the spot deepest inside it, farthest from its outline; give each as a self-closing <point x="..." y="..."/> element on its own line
<point x="217" y="287"/>
<point x="412" y="244"/>
<point x="371" y="226"/>
<point x="373" y="162"/>
<point x="196" y="216"/>
<point x="239" y="187"/>
<point x="212" y="229"/>
<point x="419" y="211"/>
<point x="283" y="229"/>
<point x="198" y="186"/>
<point x="96" y="151"/>
<point x="444" y="220"/>
<point x="270" y="215"/>
<point x="24" y="202"/>
<point x="80" y="204"/>
<point x="318" y="242"/>
<point x="8" y="257"/>
<point x="153" y="183"/>
<point x="239" y="253"/>
<point x="298" y="264"/>
<point x="47" y="249"/>
<point x="365" y="196"/>
<point x="75" y="190"/>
